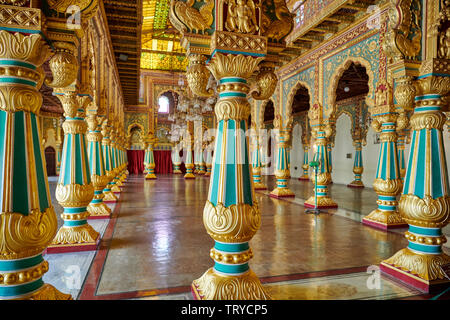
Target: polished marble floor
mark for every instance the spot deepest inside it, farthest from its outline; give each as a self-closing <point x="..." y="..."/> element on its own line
<point x="155" y="244"/>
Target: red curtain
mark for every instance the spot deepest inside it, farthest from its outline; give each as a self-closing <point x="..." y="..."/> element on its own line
<point x="163" y="161"/>
<point x="135" y="161"/>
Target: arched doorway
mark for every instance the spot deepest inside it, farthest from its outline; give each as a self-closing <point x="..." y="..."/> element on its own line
<point x="299" y="112"/>
<point x="351" y="123"/>
<point x="267" y="141"/>
<point x="50" y="159"/>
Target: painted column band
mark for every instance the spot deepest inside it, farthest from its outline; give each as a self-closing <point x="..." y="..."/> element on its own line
<point x="231" y="247"/>
<point x="20" y="264"/>
<point x="231" y="268"/>
<point x="11" y="291"/>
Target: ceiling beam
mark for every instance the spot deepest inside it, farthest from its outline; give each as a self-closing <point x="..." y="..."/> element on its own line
<point x="340" y="18"/>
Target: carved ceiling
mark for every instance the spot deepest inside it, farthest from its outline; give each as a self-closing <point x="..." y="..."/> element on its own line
<point x="124" y="23"/>
<point x="161" y="49"/>
<point x="353" y="82"/>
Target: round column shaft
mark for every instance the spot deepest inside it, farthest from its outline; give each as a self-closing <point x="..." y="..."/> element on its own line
<point x="110" y="197"/>
<point x="358" y="167"/>
<point x="256" y="165"/>
<point x="305" y="165"/>
<point x="150" y="163"/>
<point x="282" y="172"/>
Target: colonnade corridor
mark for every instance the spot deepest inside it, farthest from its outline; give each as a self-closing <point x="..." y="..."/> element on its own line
<point x="155" y="244"/>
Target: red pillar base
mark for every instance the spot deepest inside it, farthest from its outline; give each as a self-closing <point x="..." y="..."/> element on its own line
<point x="311" y="206"/>
<point x="409" y="279"/>
<point x="382" y="226"/>
<point x="303" y="178"/>
<point x="106" y="216"/>
<point x="280" y="197"/>
<point x="73" y="247"/>
<point x="356" y="186"/>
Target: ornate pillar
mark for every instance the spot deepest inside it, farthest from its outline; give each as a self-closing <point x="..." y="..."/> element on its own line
<point x="110" y="197"/>
<point x="209" y="158"/>
<point x="150" y="160"/>
<point x="305" y="165"/>
<point x="114" y="159"/>
<point x="201" y="162"/>
<point x="146" y="156"/>
<point x="388" y="182"/>
<point x="358" y="166"/>
<point x="188" y="147"/>
<point x="320" y="132"/>
<point x="27" y="216"/>
<point x="58" y="145"/>
<point x="256" y="162"/>
<point x="282" y="172"/>
<point x="425" y="201"/>
<point x="176" y="159"/>
<point x="231" y="215"/>
<point x="74" y="191"/>
<point x="97" y="208"/>
<point x="401" y="152"/>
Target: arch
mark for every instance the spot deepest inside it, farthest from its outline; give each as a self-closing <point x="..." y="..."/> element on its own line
<point x="349" y="115"/>
<point x="162" y="91"/>
<point x="134" y="125"/>
<point x="291" y="95"/>
<point x="50" y="160"/>
<point x="262" y="110"/>
<point x="336" y="76"/>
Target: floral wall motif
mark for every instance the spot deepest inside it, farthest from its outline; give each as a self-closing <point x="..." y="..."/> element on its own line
<point x="133" y="118"/>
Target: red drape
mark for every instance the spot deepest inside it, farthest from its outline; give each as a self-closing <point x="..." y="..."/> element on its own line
<point x="163" y="161"/>
<point x="135" y="161"/>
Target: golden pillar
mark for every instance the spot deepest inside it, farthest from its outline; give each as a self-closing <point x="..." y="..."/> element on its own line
<point x="110" y="197"/>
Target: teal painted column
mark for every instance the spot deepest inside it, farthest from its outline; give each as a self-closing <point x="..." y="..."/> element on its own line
<point x="231" y="215"/>
<point x="425" y="201"/>
<point x="150" y="162"/>
<point x="305" y="165"/>
<point x="401" y="153"/>
<point x="189" y="160"/>
<point x="115" y="188"/>
<point x="256" y="164"/>
<point x="324" y="170"/>
<point x="97" y="208"/>
<point x="282" y="172"/>
<point x="209" y="159"/>
<point x="74" y="190"/>
<point x="28" y="220"/>
<point x="388" y="182"/>
<point x="110" y="197"/>
<point x="358" y="166"/>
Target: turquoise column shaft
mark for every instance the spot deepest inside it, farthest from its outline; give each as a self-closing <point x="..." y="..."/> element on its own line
<point x="106" y="148"/>
<point x="23" y="187"/>
<point x="427" y="172"/>
<point x="358" y="163"/>
<point x="305" y="161"/>
<point x="74" y="166"/>
<point x="282" y="164"/>
<point x="388" y="168"/>
<point x="96" y="163"/>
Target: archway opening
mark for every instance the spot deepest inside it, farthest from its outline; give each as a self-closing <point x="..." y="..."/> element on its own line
<point x="300" y="107"/>
<point x="266" y="152"/>
<point x="50" y="159"/>
<point x="351" y="118"/>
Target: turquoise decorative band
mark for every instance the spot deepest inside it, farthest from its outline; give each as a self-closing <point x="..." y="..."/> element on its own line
<point x="436" y="232"/>
<point x="425" y="248"/>
<point x="11" y="291"/>
<point x="231" y="247"/>
<point x="232" y="94"/>
<point x="17" y="63"/>
<point x="232" y="80"/>
<point x="17" y="81"/>
<point x="75" y="210"/>
<point x="14" y="265"/>
<point x="74" y="223"/>
<point x="231" y="268"/>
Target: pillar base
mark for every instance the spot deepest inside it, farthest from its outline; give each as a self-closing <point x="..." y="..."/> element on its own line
<point x="322" y="203"/>
<point x="47" y="292"/>
<point x="189" y="176"/>
<point x="356" y="184"/>
<point x="74" y="239"/>
<point x="420" y="271"/>
<point x="115" y="189"/>
<point x="303" y="178"/>
<point x="213" y="286"/>
<point x="384" y="220"/>
<point x="207" y="174"/>
<point x="150" y="176"/>
<point x="98" y="211"/>
<point x="282" y="193"/>
<point x="260" y="186"/>
<point x="110" y="197"/>
<point x="177" y="171"/>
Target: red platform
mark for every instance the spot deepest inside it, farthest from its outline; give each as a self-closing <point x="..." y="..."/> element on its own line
<point x="99" y="217"/>
<point x="412" y="280"/>
<point x="382" y="226"/>
<point x="72" y="248"/>
<point x="355" y="186"/>
<point x="303" y="179"/>
<point x="279" y="197"/>
<point x="310" y="206"/>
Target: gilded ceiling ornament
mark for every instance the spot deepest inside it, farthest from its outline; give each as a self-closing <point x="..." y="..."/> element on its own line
<point x="241" y="16"/>
<point x="280" y="28"/>
<point x="196" y="20"/>
<point x="266" y="82"/>
<point x="198" y="76"/>
<point x="63" y="65"/>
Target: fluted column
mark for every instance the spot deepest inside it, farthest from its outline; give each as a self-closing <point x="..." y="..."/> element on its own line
<point x="256" y="162"/>
<point x="176" y="159"/>
<point x="425" y="201"/>
<point x="189" y="161"/>
<point x="305" y="165"/>
<point x="150" y="161"/>
<point x="282" y="172"/>
<point x="321" y="133"/>
<point x="74" y="191"/>
<point x="401" y="153"/>
<point x="358" y="166"/>
<point x="110" y="197"/>
<point x="146" y="156"/>
<point x="388" y="182"/>
<point x="58" y="143"/>
<point x="209" y="159"/>
<point x="27" y="216"/>
<point x="97" y="208"/>
<point x="114" y="159"/>
<point x="231" y="215"/>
